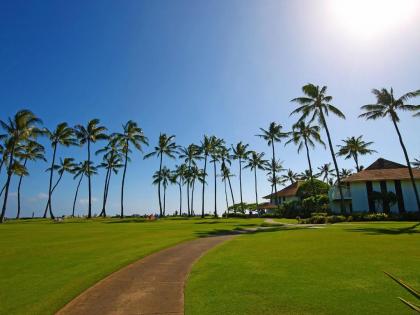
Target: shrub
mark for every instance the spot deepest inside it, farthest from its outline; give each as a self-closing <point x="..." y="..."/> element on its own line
<point x="316" y="203"/>
<point x="311" y="188"/>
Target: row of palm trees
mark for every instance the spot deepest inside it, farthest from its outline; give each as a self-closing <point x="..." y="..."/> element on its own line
<point x="20" y="146"/>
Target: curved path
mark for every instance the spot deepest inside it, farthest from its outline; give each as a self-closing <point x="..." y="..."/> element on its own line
<point x="152" y="285"/>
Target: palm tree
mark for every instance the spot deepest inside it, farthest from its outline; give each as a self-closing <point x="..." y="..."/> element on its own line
<point x="31" y="151"/>
<point x="271" y="135"/>
<point x="317" y="104"/>
<point x="275" y="167"/>
<point x="85" y="168"/>
<point x="194" y="174"/>
<point x="162" y="177"/>
<point x="353" y="147"/>
<point x="325" y="172"/>
<point x="388" y="106"/>
<point x="112" y="162"/>
<point x="225" y="157"/>
<point x="3" y="153"/>
<point x="305" y="135"/>
<point x="179" y="178"/>
<point x="307" y="175"/>
<point x="345" y="172"/>
<point x="207" y="146"/>
<point x="19" y="129"/>
<point x="215" y="157"/>
<point x="190" y="155"/>
<point x="90" y="134"/>
<point x="416" y="163"/>
<point x="256" y="161"/>
<point x="61" y="135"/>
<point x="133" y="135"/>
<point x="66" y="165"/>
<point x="290" y="176"/>
<point x="226" y="175"/>
<point x="240" y="153"/>
<point x="166" y="146"/>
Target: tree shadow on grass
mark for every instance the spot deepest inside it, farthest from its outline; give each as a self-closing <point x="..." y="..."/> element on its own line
<point x="240" y="231"/>
<point x="387" y="231"/>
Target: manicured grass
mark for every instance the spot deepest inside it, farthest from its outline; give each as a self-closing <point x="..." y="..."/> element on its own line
<point x="335" y="270"/>
<point x="44" y="264"/>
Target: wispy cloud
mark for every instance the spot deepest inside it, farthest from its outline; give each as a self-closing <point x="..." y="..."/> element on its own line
<point x="85" y="201"/>
<point x="42" y="196"/>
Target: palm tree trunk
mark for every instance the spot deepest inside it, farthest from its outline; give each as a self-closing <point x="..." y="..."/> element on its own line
<point x="227" y="202"/>
<point x="274" y="172"/>
<point x="215" y="189"/>
<point x="160" y="171"/>
<point x="180" y="198"/>
<point x="9" y="176"/>
<point x="52" y="191"/>
<point x="2" y="189"/>
<point x="18" y="193"/>
<point x="188" y="191"/>
<point x="123" y="181"/>
<point x="231" y="191"/>
<point x="107" y="190"/>
<point x="337" y="172"/>
<point x="104" y="195"/>
<point x="75" y="195"/>
<point x="309" y="159"/>
<point x="204" y="184"/>
<point x="356" y="160"/>
<point x="50" y="185"/>
<point x="240" y="184"/>
<point x="164" y="200"/>
<point x="410" y="171"/>
<point x="90" y="185"/>
<point x="256" y="190"/>
<point x="192" y="198"/>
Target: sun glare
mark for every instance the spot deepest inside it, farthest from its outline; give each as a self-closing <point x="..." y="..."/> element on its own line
<point x="366" y="19"/>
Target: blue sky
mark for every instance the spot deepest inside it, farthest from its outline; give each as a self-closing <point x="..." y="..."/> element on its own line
<point x="196" y="67"/>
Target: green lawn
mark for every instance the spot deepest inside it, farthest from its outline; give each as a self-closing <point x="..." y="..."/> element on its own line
<point x="335" y="270"/>
<point x="43" y="265"/>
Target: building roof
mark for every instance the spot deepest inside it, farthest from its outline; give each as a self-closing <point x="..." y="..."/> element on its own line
<point x="267" y="205"/>
<point x="288" y="191"/>
<point x="383" y="169"/>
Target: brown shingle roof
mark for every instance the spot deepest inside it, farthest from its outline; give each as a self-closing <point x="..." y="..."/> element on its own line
<point x="383" y="169"/>
<point x="288" y="191"/>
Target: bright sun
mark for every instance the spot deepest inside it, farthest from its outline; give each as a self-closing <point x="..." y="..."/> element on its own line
<point x="366" y="19"/>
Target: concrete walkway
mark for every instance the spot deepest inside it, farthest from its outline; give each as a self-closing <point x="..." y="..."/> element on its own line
<point x="152" y="285"/>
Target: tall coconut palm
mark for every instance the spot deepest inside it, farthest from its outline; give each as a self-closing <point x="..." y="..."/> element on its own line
<point x="272" y="135"/>
<point x="166" y="146"/>
<point x="240" y="153"/>
<point x="274" y="167"/>
<point x="256" y="162"/>
<point x="195" y="174"/>
<point x="112" y="162"/>
<point x="61" y="135"/>
<point x="83" y="169"/>
<point x="388" y="106"/>
<point x="316" y="105"/>
<point x="305" y="135"/>
<point x="207" y="146"/>
<point x="90" y="134"/>
<point x="290" y="176"/>
<point x="345" y="172"/>
<point x="326" y="172"/>
<point x="226" y="175"/>
<point x="162" y="177"/>
<point x="3" y="153"/>
<point x="307" y="175"/>
<point x="216" y="157"/>
<point x="190" y="154"/>
<point x="179" y="178"/>
<point x="226" y="157"/>
<point x="30" y="151"/>
<point x="132" y="135"/>
<point x="23" y="126"/>
<point x="66" y="165"/>
<point x="353" y="147"/>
